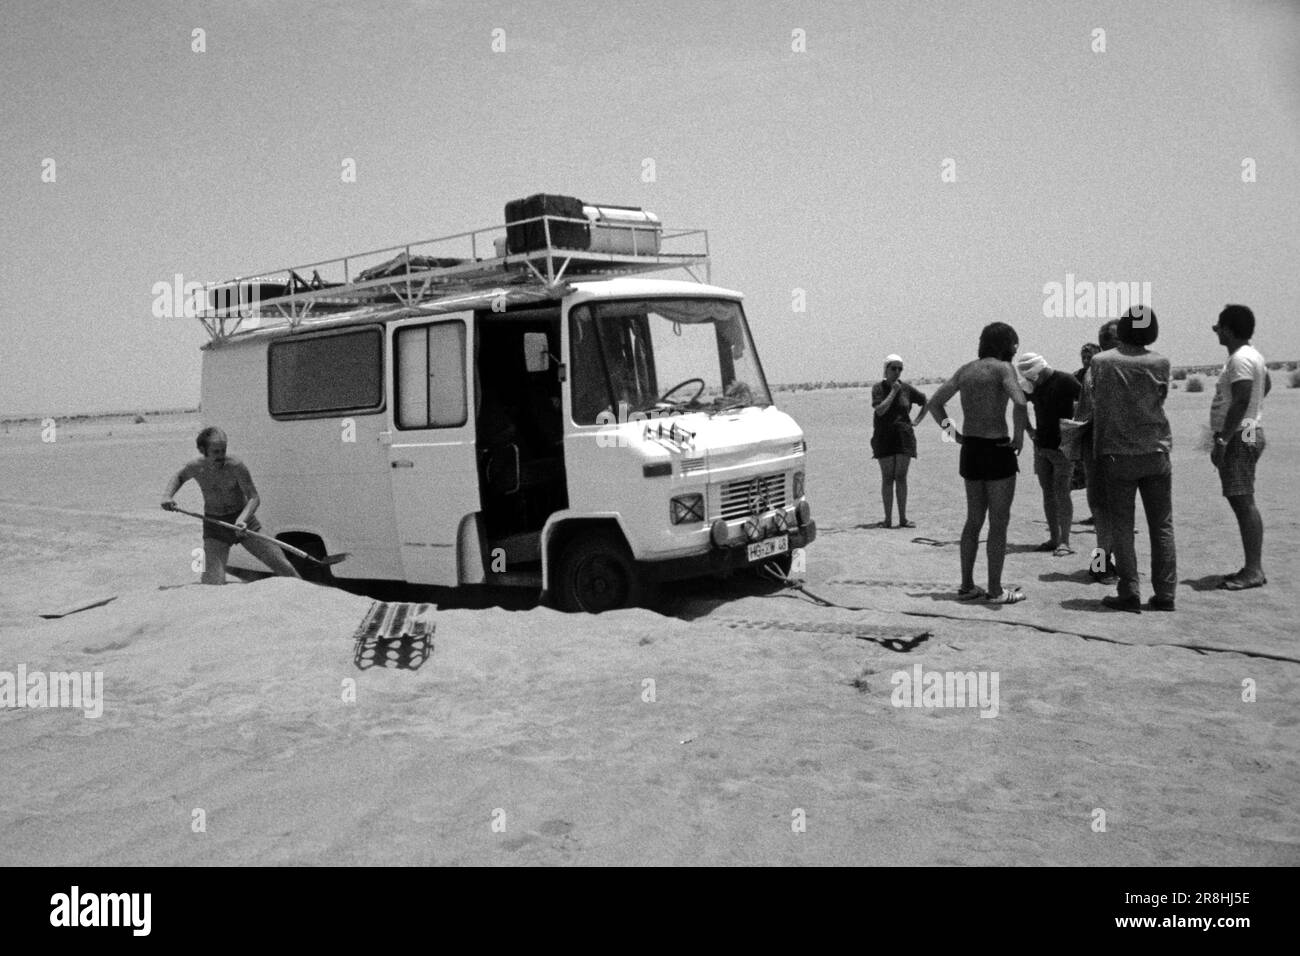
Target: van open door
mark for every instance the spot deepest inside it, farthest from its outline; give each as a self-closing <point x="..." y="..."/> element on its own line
<point x="432" y="457"/>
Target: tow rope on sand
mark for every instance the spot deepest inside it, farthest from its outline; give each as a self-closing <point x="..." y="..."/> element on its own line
<point x="802" y="593"/>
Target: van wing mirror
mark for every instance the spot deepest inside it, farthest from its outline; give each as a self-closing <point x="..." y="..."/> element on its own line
<point x="537" y="355"/>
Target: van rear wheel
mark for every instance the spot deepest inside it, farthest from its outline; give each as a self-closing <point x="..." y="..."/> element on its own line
<point x="597" y="573"/>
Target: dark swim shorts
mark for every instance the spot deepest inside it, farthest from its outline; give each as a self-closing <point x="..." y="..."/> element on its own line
<point x="987" y="459"/>
<point x="217" y="533"/>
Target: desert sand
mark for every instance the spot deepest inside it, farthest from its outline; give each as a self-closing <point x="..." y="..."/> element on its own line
<point x="527" y="736"/>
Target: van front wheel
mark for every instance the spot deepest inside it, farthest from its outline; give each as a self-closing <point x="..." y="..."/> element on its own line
<point x="596" y="574"/>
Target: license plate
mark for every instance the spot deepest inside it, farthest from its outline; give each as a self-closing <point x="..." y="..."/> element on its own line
<point x="766" y="549"/>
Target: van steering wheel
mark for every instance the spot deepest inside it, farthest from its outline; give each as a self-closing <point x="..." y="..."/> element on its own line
<point x="682" y="384"/>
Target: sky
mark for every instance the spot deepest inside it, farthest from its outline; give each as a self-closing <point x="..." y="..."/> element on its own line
<point x="875" y="177"/>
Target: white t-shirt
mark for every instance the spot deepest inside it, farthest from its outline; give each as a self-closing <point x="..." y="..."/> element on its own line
<point x="1244" y="365"/>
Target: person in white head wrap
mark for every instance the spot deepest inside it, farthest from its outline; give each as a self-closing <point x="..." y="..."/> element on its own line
<point x="1031" y="367"/>
<point x="893" y="438"/>
<point x="1052" y="395"/>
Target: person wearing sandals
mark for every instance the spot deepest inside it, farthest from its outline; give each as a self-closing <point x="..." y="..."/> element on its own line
<point x="988" y="455"/>
<point x="1239" y="436"/>
<point x="1132" y="442"/>
<point x="1052" y="395"/>
<point x="893" y="438"/>
<point x="1102" y="563"/>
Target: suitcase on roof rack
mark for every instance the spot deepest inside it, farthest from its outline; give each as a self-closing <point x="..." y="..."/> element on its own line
<point x="624" y="230"/>
<point x="528" y="236"/>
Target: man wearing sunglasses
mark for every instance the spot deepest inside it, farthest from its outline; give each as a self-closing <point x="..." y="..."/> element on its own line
<point x="1239" y="436"/>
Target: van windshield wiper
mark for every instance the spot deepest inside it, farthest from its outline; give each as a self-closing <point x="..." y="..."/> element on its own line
<point x="726" y="405"/>
<point x="676" y="403"/>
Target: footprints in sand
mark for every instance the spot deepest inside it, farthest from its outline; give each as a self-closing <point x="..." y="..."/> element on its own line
<point x="555" y="834"/>
<point x="102" y="648"/>
<point x="883" y="583"/>
<point x="894" y="638"/>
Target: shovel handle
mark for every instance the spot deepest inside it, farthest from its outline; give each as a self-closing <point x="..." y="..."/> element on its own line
<point x="256" y="534"/>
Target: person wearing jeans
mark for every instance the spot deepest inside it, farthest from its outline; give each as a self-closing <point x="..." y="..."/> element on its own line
<point x="1132" y="442"/>
<point x="1151" y="476"/>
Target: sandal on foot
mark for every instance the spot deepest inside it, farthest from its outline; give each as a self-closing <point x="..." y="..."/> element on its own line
<point x="882" y="524"/>
<point x="972" y="593"/>
<point x="1237" y="584"/>
<point x="907" y="524"/>
<point x="1008" y="596"/>
<point x="1064" y="551"/>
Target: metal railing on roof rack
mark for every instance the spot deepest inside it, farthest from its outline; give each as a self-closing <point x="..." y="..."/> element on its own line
<point x="407" y="276"/>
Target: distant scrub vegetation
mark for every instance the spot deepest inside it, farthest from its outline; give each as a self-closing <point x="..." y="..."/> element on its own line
<point x="1191" y="374"/>
<point x="819" y="386"/>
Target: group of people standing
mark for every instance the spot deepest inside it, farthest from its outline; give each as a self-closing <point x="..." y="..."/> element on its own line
<point x="1104" y="428"/>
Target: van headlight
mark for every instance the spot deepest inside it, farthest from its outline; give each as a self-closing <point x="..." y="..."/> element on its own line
<point x="798" y="484"/>
<point x="685" y="509"/>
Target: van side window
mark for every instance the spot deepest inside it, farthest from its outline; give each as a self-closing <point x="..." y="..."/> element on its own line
<point x="326" y="374"/>
<point x="430" y="369"/>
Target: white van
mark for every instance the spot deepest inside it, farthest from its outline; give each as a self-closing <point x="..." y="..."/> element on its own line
<point x="548" y="419"/>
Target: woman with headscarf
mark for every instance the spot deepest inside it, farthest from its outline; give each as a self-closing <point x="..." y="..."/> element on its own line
<point x="893" y="438"/>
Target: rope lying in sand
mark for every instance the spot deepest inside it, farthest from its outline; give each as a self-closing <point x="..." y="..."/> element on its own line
<point x="1198" y="648"/>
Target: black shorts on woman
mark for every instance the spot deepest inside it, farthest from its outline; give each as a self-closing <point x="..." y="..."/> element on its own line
<point x="892" y="432"/>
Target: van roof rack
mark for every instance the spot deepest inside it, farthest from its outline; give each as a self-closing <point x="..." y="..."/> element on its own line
<point x="423" y="275"/>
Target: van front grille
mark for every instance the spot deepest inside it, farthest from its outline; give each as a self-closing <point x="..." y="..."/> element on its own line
<point x="747" y="496"/>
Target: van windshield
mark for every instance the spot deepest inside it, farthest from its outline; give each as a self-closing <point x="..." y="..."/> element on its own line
<point x="662" y="356"/>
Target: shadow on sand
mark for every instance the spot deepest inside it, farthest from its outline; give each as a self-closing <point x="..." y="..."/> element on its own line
<point x="1060" y="577"/>
<point x="1209" y="582"/>
<point x="1090" y="604"/>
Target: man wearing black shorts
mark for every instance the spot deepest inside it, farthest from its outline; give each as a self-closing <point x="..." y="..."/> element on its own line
<point x="229" y="496"/>
<point x="988" y="455"/>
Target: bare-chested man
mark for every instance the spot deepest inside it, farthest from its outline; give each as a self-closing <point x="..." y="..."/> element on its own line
<point x="228" y="495"/>
<point x="988" y="455"/>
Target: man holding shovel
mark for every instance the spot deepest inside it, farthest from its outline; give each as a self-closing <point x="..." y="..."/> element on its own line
<point x="230" y="497"/>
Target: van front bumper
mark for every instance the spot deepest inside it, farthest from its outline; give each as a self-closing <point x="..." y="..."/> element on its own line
<point x="718" y="559"/>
